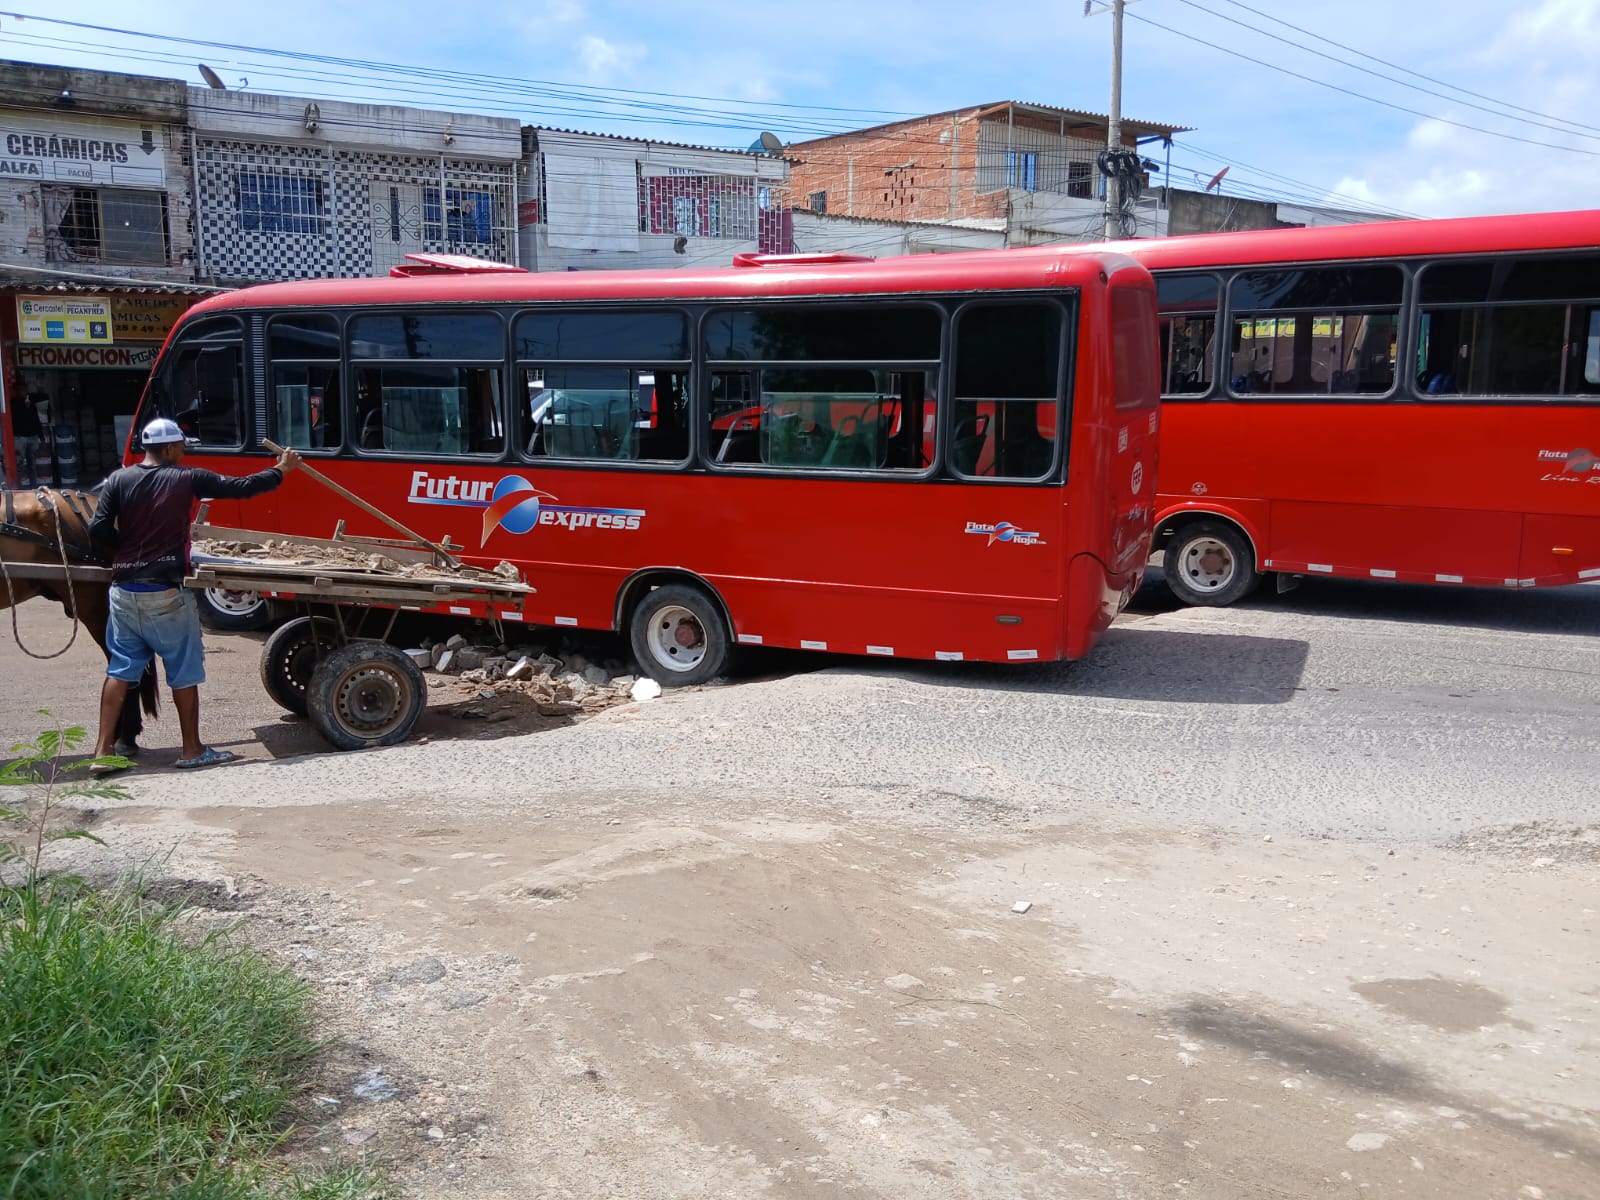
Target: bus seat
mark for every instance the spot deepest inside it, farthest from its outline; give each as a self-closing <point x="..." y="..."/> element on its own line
<point x="372" y="430"/>
<point x="967" y="444"/>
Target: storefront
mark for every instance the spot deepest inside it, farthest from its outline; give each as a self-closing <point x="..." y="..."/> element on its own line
<point x="74" y="363"/>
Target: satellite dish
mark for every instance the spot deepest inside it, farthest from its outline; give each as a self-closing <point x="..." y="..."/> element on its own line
<point x="212" y="78"/>
<point x="1216" y="179"/>
<point x="771" y="144"/>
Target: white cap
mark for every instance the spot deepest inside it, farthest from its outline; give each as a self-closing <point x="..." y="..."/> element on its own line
<point x="161" y="432"/>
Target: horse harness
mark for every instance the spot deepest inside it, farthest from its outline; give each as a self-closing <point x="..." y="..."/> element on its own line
<point x="84" y="555"/>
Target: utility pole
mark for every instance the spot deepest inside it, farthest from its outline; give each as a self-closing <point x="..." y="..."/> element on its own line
<point x="1114" y="121"/>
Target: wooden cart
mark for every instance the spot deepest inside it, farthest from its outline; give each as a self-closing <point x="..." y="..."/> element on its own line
<point x="334" y="663"/>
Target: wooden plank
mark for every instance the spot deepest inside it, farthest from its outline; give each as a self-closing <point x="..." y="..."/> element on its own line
<point x="54" y="571"/>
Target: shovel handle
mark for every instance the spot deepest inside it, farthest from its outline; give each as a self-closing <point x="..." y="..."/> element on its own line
<point x="341" y="490"/>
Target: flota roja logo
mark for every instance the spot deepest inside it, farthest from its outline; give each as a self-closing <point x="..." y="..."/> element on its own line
<point x="1575" y="461"/>
<point x="1005" y="531"/>
<point x="514" y="504"/>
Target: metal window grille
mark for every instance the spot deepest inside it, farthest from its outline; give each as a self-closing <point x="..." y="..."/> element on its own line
<point x="705" y="206"/>
<point x="467" y="219"/>
<point x="272" y="203"/>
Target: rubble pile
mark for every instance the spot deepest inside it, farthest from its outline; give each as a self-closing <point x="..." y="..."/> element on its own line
<point x="557" y="685"/>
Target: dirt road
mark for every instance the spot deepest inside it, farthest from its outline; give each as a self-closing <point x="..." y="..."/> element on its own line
<point x="668" y="952"/>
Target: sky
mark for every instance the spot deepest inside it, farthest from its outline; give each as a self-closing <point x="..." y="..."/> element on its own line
<point x="1429" y="108"/>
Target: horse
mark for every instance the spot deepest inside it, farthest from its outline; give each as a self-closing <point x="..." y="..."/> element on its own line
<point x="52" y="527"/>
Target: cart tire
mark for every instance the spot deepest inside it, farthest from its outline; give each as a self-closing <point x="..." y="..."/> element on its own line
<point x="233" y="611"/>
<point x="288" y="658"/>
<point x="366" y="693"/>
<point x="679" y="637"/>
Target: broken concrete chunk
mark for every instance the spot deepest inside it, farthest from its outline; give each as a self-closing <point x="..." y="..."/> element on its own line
<point x="1022" y="906"/>
<point x="454" y="641"/>
<point x="423" y="658"/>
<point x="598" y="676"/>
<point x="645" y="689"/>
<point x="521" y="669"/>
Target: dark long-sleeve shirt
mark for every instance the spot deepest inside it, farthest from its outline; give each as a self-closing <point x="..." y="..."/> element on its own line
<point x="144" y="513"/>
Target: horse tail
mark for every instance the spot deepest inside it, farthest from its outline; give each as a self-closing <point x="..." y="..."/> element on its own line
<point x="148" y="693"/>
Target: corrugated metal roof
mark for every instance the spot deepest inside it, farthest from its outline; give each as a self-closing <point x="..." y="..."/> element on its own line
<point x="1129" y="124"/>
<point x="43" y="279"/>
<point x="622" y="137"/>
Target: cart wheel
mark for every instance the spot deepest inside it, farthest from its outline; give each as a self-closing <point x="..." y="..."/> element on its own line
<point x="366" y="693"/>
<point x="289" y="656"/>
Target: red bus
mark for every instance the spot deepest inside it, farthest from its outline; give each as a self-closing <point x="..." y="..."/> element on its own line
<point x="938" y="457"/>
<point x="1409" y="400"/>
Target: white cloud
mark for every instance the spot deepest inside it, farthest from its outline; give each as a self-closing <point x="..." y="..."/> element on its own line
<point x="607" y="62"/>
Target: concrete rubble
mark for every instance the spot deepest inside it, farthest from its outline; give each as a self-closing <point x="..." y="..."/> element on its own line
<point x="564" y="685"/>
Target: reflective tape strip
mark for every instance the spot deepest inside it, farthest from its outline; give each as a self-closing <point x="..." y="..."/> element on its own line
<point x="411" y="608"/>
<point x="1513" y="583"/>
<point x="1380" y="573"/>
<point x="1447" y="579"/>
<point x="750" y="639"/>
<point x="1325" y="568"/>
<point x="510" y="614"/>
<point x="1017" y="655"/>
<point x="880" y="649"/>
<point x="948" y="655"/>
<point x="1269" y="563"/>
<point x="463" y="610"/>
<point x="1592" y="573"/>
<point x="809" y="645"/>
<point x="566" y="620"/>
<point x="1529" y="582"/>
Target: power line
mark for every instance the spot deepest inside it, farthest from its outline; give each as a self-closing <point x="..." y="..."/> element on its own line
<point x="1369" y="99"/>
<point x="1380" y="75"/>
<point x="1579" y="127"/>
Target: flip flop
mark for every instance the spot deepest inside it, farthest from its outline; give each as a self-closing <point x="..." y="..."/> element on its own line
<point x="208" y="757"/>
<point x="128" y="750"/>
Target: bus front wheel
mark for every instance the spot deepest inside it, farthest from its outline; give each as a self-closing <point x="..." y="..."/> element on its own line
<point x="679" y="636"/>
<point x="1210" y="563"/>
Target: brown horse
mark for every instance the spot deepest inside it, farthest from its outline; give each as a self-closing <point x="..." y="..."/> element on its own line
<point x="52" y="527"/>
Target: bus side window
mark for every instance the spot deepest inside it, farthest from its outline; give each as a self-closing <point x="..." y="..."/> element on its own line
<point x="604" y="412"/>
<point x="1509" y="327"/>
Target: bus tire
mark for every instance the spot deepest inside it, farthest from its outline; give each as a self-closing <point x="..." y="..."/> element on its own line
<point x="678" y="635"/>
<point x="289" y="657"/>
<point x="233" y="611"/>
<point x="366" y="693"/>
<point x="1210" y="563"/>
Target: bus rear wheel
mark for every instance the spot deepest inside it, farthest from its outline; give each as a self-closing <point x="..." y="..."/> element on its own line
<point x="1210" y="563"/>
<point x="679" y="636"/>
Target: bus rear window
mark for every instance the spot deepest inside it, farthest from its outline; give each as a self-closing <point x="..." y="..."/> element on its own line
<point x="1007" y="389"/>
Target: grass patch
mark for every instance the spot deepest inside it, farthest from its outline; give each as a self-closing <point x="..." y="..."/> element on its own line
<point x="137" y="1060"/>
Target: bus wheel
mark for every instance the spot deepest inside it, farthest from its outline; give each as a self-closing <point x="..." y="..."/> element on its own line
<point x="1210" y="563"/>
<point x="366" y="693"/>
<point x="234" y="612"/>
<point x="678" y="636"/>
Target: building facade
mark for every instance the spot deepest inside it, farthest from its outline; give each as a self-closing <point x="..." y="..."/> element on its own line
<point x="293" y="188"/>
<point x="601" y="202"/>
<point x="1032" y="167"/>
<point x="96" y="260"/>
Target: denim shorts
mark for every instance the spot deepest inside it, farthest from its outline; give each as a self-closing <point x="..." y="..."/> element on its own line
<point x="145" y="624"/>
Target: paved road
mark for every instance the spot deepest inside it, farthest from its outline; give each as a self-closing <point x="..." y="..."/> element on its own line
<point x="1352" y="710"/>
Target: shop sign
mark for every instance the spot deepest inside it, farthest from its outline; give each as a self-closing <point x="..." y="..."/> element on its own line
<point x="51" y="149"/>
<point x="149" y="318"/>
<point x="88" y="358"/>
<point x="68" y="320"/>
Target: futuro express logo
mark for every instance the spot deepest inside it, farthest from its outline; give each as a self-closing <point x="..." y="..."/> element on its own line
<point x="515" y="505"/>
